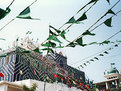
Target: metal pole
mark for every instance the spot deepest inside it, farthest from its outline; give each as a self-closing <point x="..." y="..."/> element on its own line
<point x="44" y="84"/>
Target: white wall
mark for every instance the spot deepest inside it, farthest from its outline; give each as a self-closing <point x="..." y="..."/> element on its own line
<point x="48" y="87"/>
<point x="3" y="87"/>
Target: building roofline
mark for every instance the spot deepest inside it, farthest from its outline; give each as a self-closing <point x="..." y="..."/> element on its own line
<point x="105" y="81"/>
<point x="11" y="84"/>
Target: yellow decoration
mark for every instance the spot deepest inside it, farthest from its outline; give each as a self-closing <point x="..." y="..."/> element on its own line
<point x="20" y="72"/>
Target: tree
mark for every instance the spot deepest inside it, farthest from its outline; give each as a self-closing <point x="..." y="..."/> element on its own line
<point x="33" y="88"/>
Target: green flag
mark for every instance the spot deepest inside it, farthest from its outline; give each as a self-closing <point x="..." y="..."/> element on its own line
<point x="112" y="63"/>
<point x="25" y="14"/>
<point x="3" y="13"/>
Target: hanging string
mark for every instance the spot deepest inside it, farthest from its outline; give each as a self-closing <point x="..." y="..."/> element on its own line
<point x="93" y="55"/>
<point x="71" y="24"/>
<point x="75" y="21"/>
<point x="97" y="22"/>
<point x="15" y="17"/>
<point x="10" y="4"/>
<point x="78" y="12"/>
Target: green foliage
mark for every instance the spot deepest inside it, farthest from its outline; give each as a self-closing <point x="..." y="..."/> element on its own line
<point x="33" y="88"/>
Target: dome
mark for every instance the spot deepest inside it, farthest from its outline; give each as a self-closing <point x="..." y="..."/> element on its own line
<point x="113" y="70"/>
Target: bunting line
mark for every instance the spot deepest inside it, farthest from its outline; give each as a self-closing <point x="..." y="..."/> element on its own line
<point x="16" y="16"/>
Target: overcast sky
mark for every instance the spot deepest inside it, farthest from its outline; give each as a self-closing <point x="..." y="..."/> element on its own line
<point x="56" y="13"/>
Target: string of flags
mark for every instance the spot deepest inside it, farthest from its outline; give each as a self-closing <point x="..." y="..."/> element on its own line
<point x="59" y="77"/>
<point x="4" y="13"/>
<point x="25" y="14"/>
<point x="97" y="57"/>
<point x="79" y="40"/>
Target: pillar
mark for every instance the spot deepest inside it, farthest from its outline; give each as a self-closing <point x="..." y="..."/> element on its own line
<point x="117" y="85"/>
<point x="107" y="86"/>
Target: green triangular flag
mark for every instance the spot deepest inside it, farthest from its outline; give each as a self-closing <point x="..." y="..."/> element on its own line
<point x="91" y="60"/>
<point x="106" y="52"/>
<point x="101" y="55"/>
<point x="92" y="1"/>
<point x="60" y="46"/>
<point x="25" y="14"/>
<point x="3" y="13"/>
<point x="29" y="32"/>
<point x="37" y="50"/>
<point x="2" y="39"/>
<point x="62" y="34"/>
<point x="72" y="20"/>
<point x="4" y="55"/>
<point x="85" y="64"/>
<point x="83" y="17"/>
<point x="72" y="44"/>
<point x="81" y="66"/>
<point x="108" y="1"/>
<point x="58" y="31"/>
<point x="48" y="49"/>
<point x="49" y="44"/>
<point x="53" y="37"/>
<point x="26" y="51"/>
<point x="80" y="42"/>
<point x="105" y="42"/>
<point x="92" y="43"/>
<point x="112" y="63"/>
<point x="96" y="58"/>
<point x="88" y="33"/>
<point x="88" y="62"/>
<point x="108" y="22"/>
<point x="110" y="12"/>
